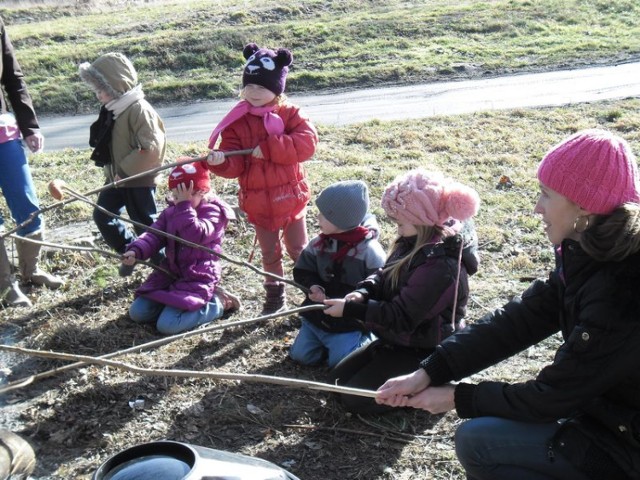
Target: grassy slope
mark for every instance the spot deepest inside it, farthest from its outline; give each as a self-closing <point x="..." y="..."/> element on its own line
<point x="191" y="49"/>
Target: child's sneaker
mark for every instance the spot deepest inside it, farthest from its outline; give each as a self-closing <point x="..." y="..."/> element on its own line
<point x="229" y="301"/>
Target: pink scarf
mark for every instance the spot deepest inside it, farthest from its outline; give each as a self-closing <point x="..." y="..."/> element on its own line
<point x="273" y="124"/>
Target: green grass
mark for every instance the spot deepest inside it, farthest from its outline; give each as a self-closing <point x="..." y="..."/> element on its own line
<point x="477" y="149"/>
<point x="191" y="49"/>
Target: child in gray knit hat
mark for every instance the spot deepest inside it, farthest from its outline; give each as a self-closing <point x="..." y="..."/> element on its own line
<point x="345" y="252"/>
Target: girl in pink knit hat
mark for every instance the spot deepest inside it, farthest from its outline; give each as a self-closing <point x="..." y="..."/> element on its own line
<point x="420" y="296"/>
<point x="579" y="418"/>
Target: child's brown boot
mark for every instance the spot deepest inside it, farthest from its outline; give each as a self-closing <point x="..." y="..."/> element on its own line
<point x="276" y="300"/>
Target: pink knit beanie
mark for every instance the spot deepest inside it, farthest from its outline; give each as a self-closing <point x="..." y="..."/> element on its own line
<point x="427" y="198"/>
<point x="594" y="169"/>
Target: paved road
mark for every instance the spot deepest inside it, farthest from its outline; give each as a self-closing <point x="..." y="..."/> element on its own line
<point x="195" y="122"/>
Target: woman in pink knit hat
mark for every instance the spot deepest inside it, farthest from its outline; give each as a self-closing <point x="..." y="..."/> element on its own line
<point x="579" y="418"/>
<point x="420" y="296"/>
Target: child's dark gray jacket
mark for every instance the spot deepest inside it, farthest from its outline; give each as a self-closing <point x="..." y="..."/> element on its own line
<point x="316" y="267"/>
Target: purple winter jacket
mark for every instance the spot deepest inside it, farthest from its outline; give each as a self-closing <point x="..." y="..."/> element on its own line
<point x="196" y="272"/>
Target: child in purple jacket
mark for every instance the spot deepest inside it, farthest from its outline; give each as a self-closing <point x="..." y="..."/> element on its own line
<point x="191" y="296"/>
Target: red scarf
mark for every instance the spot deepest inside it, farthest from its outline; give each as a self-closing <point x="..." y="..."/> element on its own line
<point x="351" y="239"/>
<point x="273" y="124"/>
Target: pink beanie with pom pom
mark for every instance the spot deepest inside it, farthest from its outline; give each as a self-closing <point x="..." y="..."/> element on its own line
<point x="427" y="198"/>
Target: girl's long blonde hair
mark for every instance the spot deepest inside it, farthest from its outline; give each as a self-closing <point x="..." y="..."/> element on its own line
<point x="425" y="234"/>
<point x="613" y="237"/>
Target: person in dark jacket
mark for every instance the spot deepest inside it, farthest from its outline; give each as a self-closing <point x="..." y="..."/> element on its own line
<point x="345" y="252"/>
<point x="16" y="181"/>
<point x="580" y="417"/>
<point x="420" y="296"/>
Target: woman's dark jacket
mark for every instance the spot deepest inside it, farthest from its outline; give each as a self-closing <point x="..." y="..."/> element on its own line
<point x="12" y="79"/>
<point x="418" y="312"/>
<point x="595" y="376"/>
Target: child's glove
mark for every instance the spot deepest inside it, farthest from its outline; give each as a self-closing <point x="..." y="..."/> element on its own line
<point x="215" y="157"/>
<point x="128" y="258"/>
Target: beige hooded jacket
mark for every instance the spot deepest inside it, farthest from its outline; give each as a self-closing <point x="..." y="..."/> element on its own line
<point x="138" y="140"/>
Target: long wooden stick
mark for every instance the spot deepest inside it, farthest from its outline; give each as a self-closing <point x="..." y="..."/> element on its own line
<point x="17" y="384"/>
<point x="116" y="183"/>
<point x="106" y="253"/>
<point x="287" y="382"/>
<point x="186" y="242"/>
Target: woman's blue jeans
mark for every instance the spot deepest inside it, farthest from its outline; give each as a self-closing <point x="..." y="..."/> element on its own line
<point x="491" y="448"/>
<point x="171" y="320"/>
<point x="17" y="186"/>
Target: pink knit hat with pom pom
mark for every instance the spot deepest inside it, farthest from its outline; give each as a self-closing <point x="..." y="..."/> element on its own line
<point x="427" y="198"/>
<point x="593" y="168"/>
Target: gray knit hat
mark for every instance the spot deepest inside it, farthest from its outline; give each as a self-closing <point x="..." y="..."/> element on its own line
<point x="344" y="204"/>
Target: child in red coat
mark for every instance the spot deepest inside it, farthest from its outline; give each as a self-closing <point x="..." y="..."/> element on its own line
<point x="274" y="191"/>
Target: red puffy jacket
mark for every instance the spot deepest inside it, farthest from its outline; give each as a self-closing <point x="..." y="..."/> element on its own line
<point x="274" y="189"/>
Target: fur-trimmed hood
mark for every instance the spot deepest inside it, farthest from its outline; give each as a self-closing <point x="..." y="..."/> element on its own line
<point x="112" y="73"/>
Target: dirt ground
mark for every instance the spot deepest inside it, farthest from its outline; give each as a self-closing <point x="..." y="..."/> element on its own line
<point x="75" y="420"/>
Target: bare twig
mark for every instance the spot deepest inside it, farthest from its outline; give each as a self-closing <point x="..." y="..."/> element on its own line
<point x="186" y="242"/>
<point x="287" y="382"/>
<point x="17" y="384"/>
<point x="106" y="253"/>
<point x="116" y="183"/>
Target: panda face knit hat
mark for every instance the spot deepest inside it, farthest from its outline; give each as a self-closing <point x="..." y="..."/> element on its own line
<point x="345" y="204"/>
<point x="427" y="198"/>
<point x="593" y="168"/>
<point x="266" y="67"/>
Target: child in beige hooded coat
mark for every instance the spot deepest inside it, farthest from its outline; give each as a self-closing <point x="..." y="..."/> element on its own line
<point x="128" y="138"/>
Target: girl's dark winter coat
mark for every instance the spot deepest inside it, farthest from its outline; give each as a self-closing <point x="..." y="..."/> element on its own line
<point x="418" y="312"/>
<point x="595" y="376"/>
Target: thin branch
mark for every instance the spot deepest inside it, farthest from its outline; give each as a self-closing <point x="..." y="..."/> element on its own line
<point x="287" y="382"/>
<point x="17" y="384"/>
<point x="349" y="430"/>
<point x="185" y="242"/>
<point x="116" y="183"/>
<point x="106" y="253"/>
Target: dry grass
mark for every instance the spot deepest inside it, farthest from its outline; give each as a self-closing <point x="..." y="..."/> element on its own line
<point x="77" y="419"/>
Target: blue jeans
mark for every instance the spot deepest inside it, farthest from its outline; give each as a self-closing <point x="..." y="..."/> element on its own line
<point x="17" y="186"/>
<point x="141" y="207"/>
<point x="491" y="448"/>
<point x="313" y="344"/>
<point x="171" y="320"/>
